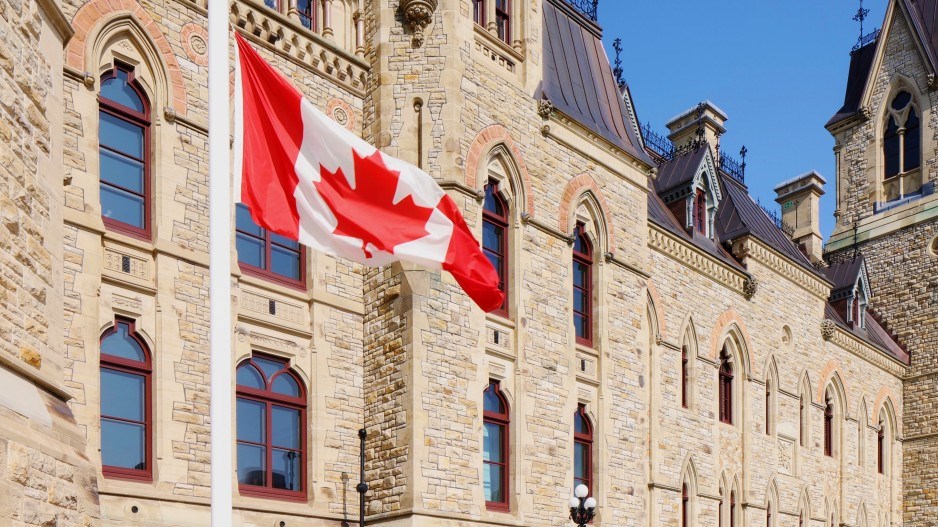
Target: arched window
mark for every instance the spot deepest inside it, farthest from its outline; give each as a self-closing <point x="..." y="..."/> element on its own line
<point x="700" y="212"/>
<point x="769" y="407"/>
<point x="726" y="388"/>
<point x="478" y="12"/>
<point x="126" y="429"/>
<point x="881" y="447"/>
<point x="685" y="506"/>
<point x="828" y="426"/>
<point x="503" y="20"/>
<point x="271" y="431"/>
<point x="862" y="423"/>
<point x="803" y="406"/>
<point x="902" y="148"/>
<point x="495" y="237"/>
<point x="267" y="254"/>
<point x="582" y="449"/>
<point x="124" y="152"/>
<point x="582" y="286"/>
<point x="685" y="378"/>
<point x="495" y="447"/>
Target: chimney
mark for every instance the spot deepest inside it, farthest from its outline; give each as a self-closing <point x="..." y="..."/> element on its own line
<point x="800" y="200"/>
<point x="704" y="121"/>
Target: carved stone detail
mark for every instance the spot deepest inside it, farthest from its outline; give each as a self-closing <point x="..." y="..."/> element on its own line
<point x="827" y="329"/>
<point x="545" y="108"/>
<point x="865" y="112"/>
<point x="932" y="82"/>
<point x="750" y="286"/>
<point x="417" y="15"/>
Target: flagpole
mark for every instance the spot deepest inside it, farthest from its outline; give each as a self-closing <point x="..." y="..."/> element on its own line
<point x="219" y="263"/>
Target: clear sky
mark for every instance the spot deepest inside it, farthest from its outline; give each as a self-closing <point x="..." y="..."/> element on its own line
<point x="777" y="68"/>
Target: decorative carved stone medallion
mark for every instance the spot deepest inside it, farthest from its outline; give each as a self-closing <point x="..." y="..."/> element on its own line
<point x="827" y="329"/>
<point x="750" y="286"/>
<point x="341" y="112"/>
<point x="195" y="43"/>
<point x="545" y="108"/>
<point x="417" y="15"/>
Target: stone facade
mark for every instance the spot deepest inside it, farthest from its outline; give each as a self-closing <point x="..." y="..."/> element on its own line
<point x="896" y="243"/>
<point x="400" y="349"/>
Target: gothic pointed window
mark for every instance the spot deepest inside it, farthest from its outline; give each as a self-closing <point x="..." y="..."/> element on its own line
<point x="267" y="254"/>
<point x="881" y="447"/>
<point x="582" y="286"/>
<point x="496" y="421"/>
<point x="768" y="515"/>
<point x="495" y="237"/>
<point x="582" y="449"/>
<point x="126" y="422"/>
<point x="829" y="427"/>
<point x="769" y="407"/>
<point x="271" y="429"/>
<point x="725" y="381"/>
<point x="123" y="152"/>
<point x="902" y="145"/>
<point x="685" y="378"/>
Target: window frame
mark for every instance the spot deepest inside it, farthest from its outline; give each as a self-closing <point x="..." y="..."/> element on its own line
<point x="312" y="17"/>
<point x="504" y="421"/>
<point x="503" y="15"/>
<point x="585" y="259"/>
<point x="586" y="440"/>
<point x="881" y="448"/>
<point x="685" y="377"/>
<point x="725" y="379"/>
<point x="143" y="120"/>
<point x="271" y="399"/>
<point x="685" y="506"/>
<point x="480" y="7"/>
<point x="700" y="212"/>
<point x="500" y="222"/>
<point x="829" y="427"/>
<point x="900" y="119"/>
<point x="269" y="274"/>
<point x="114" y="363"/>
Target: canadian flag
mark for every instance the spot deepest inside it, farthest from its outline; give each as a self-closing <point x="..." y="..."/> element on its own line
<point x="306" y="177"/>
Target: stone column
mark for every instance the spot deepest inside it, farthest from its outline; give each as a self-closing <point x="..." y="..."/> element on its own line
<point x="359" y="34"/>
<point x="327" y="18"/>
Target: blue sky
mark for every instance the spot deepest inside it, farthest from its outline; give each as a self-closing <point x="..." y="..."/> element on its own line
<point x="778" y="69"/>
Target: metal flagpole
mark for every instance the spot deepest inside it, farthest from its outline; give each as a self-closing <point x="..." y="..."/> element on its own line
<point x="219" y="263"/>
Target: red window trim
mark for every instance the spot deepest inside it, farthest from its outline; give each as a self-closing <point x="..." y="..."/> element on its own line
<point x="684" y="377"/>
<point x="829" y="429"/>
<point x="146" y="371"/>
<point x="587" y="440"/>
<point x="685" y="504"/>
<point x="141" y="119"/>
<point x="506" y="16"/>
<point x="270" y="399"/>
<point x="268" y="274"/>
<point x="503" y="420"/>
<point x="725" y="380"/>
<point x="700" y="207"/>
<point x="587" y="260"/>
<point x="481" y="6"/>
<point x="881" y="449"/>
<point x="500" y="222"/>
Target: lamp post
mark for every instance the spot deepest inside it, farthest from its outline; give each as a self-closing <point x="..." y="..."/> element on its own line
<point x="582" y="509"/>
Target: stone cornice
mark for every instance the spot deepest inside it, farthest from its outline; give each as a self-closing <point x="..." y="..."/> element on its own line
<point x="685" y="253"/>
<point x="296" y="43"/>
<point x="57" y="19"/>
<point x="753" y="248"/>
<point x="854" y="345"/>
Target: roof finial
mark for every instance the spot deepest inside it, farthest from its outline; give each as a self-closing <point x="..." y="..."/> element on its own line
<point x="700" y="123"/>
<point x="617" y="71"/>
<point x="860" y="16"/>
<point x="742" y="154"/>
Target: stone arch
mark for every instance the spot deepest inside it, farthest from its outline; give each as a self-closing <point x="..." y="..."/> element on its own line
<point x="99" y="20"/>
<point x="494" y="138"/>
<point x="690" y="475"/>
<point x="656" y="309"/>
<point x="887" y="408"/>
<point x="831" y="374"/>
<point x="597" y="227"/>
<point x="804" y="506"/>
<point x="883" y="398"/>
<point x="579" y="190"/>
<point x="507" y="172"/>
<point x="730" y="327"/>
<point x="862" y="516"/>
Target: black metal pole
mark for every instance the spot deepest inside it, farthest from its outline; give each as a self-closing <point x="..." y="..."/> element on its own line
<point x="362" y="487"/>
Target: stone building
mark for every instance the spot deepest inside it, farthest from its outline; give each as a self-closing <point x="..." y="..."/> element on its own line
<point x="664" y="340"/>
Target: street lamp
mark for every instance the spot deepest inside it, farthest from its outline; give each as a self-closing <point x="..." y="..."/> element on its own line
<point x="582" y="508"/>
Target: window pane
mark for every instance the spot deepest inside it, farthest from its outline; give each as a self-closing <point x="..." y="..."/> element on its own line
<point x="116" y="89"/>
<point x="492" y="236"/>
<point x="285" y="262"/>
<point x="580" y="460"/>
<point x="123" y="444"/>
<point x="580" y="425"/>
<point x="250" y="250"/>
<point x="580" y="323"/>
<point x="249" y="376"/>
<point x="284" y="241"/>
<point x="901" y="100"/>
<point x="492" y="482"/>
<point x="269" y="367"/>
<point x="492" y="443"/>
<point x="891" y="148"/>
<point x="122" y="206"/>
<point x="305" y="11"/>
<point x="252" y="420"/>
<point x="251" y="466"/>
<point x="286" y="385"/>
<point x="286" y="469"/>
<point x="491" y="402"/>
<point x="495" y="260"/>
<point x="121" y="171"/>
<point x="912" y="144"/>
<point x="121" y="344"/>
<point x="122" y="395"/>
<point x="285" y="427"/>
<point x="244" y="222"/>
<point x="580" y="274"/>
<point x="580" y="300"/>
<point x="273" y="4"/>
<point x="121" y="135"/>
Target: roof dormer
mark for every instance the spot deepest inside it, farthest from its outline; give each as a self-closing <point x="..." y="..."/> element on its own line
<point x="851" y="293"/>
<point x="688" y="186"/>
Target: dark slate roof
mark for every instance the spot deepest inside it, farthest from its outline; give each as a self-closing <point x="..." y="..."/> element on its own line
<point x="924" y="15"/>
<point x="679" y="171"/>
<point x="739" y="215"/>
<point x="843" y="274"/>
<point x="860" y="62"/>
<point x="659" y="214"/>
<point x="578" y="79"/>
<point x="873" y="334"/>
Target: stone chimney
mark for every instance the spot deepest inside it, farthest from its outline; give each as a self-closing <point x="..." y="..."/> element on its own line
<point x="800" y="200"/>
<point x="704" y="121"/>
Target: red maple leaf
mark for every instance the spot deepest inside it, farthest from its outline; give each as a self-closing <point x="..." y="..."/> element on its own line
<point x="368" y="212"/>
